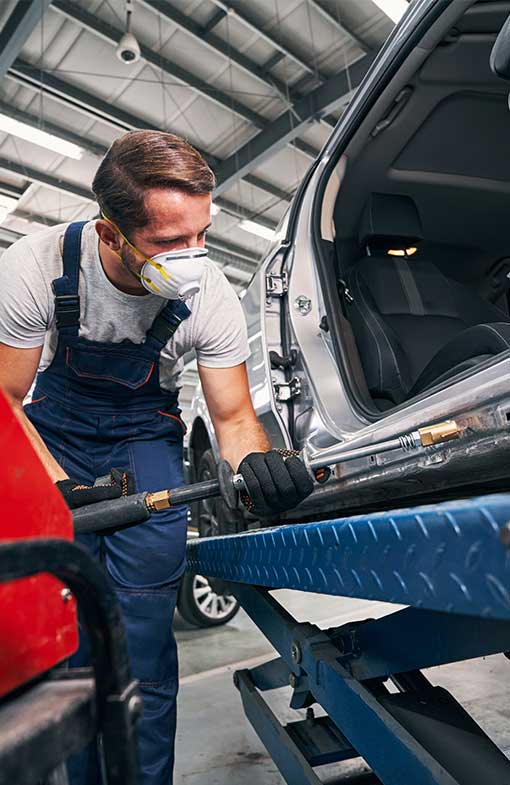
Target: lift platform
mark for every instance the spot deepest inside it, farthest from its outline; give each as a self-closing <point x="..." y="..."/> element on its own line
<point x="449" y="564"/>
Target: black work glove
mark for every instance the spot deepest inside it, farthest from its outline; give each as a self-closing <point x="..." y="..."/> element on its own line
<point x="273" y="484"/>
<point x="77" y="495"/>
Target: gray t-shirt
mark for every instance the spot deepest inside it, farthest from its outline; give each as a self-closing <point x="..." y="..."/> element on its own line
<point x="216" y="328"/>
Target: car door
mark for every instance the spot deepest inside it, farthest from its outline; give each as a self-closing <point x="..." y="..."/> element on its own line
<point x="269" y="367"/>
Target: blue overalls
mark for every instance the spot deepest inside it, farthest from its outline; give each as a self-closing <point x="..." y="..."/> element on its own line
<point x="100" y="405"/>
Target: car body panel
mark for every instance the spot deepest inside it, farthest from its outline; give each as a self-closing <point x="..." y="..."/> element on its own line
<point x="324" y="413"/>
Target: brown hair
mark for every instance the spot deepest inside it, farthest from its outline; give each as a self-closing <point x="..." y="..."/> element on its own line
<point x="147" y="159"/>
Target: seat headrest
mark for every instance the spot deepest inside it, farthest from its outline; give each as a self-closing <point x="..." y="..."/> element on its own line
<point x="500" y="54"/>
<point x="390" y="221"/>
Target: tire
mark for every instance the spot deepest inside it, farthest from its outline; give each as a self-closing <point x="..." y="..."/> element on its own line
<point x="202" y="601"/>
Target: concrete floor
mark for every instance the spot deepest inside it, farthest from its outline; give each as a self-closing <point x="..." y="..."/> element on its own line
<point x="215" y="743"/>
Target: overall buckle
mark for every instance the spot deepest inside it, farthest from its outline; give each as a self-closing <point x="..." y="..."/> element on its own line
<point x="67" y="310"/>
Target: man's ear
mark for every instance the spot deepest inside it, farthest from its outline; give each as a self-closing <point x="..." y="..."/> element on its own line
<point x="108" y="235"/>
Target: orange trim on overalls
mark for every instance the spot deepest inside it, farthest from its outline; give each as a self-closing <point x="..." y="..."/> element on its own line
<point x="36" y="400"/>
<point x="173" y="417"/>
<point x="108" y="378"/>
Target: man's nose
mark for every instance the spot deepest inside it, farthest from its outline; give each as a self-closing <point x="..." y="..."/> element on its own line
<point x="197" y="241"/>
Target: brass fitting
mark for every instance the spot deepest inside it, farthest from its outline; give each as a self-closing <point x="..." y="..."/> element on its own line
<point x="159" y="500"/>
<point x="440" y="432"/>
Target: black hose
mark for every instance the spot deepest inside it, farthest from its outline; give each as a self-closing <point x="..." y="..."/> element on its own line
<point x="128" y="510"/>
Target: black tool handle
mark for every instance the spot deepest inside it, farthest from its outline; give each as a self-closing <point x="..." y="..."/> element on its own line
<point x="194" y="492"/>
<point x="110" y="514"/>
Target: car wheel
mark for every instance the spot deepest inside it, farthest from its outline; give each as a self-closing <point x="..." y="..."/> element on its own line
<point x="203" y="601"/>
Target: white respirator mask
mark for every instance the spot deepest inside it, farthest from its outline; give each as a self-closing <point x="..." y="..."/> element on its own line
<point x="174" y="275"/>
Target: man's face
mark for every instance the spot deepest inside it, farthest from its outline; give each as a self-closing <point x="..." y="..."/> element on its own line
<point x="176" y="220"/>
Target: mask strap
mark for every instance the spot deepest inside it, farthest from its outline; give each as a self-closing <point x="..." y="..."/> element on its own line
<point x="156" y="265"/>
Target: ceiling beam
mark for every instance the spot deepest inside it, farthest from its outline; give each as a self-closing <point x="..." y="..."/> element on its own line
<point x="97" y="27"/>
<point x="8" y="236"/>
<point x="231" y="266"/>
<point x="69" y="95"/>
<point x="14" y="191"/>
<point x="44" y="81"/>
<point x="241" y="11"/>
<point x="322" y="100"/>
<point x="275" y="58"/>
<point x="209" y="39"/>
<point x="340" y="24"/>
<point x="222" y="47"/>
<point x="215" y="19"/>
<point x="218" y="45"/>
<point x="238" y="212"/>
<point x="26" y="14"/>
<point x="38" y="176"/>
<point x="34" y="217"/>
<point x="266" y="186"/>
<point x="100" y="150"/>
<point x="17" y="30"/>
<point x="239" y="251"/>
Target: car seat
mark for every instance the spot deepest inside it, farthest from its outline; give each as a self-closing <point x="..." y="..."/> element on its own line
<point x="414" y="327"/>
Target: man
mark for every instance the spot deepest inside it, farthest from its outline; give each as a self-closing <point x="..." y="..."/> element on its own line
<point x="95" y="312"/>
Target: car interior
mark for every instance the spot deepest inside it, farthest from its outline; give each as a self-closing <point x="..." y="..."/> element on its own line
<point x="421" y="219"/>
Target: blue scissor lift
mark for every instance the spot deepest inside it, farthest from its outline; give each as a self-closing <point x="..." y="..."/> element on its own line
<point x="449" y="563"/>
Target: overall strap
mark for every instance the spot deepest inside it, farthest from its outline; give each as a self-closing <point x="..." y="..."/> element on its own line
<point x="166" y="323"/>
<point x="65" y="289"/>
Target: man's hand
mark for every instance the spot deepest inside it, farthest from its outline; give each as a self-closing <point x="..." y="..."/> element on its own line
<point x="274" y="484"/>
<point x="77" y="495"/>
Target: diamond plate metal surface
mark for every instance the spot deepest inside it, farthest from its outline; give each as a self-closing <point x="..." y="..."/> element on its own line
<point x="453" y="557"/>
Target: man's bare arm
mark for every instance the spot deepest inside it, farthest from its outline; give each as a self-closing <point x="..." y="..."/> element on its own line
<point x="18" y="368"/>
<point x="228" y="399"/>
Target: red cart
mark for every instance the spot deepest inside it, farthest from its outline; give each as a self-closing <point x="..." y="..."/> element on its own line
<point x="49" y="711"/>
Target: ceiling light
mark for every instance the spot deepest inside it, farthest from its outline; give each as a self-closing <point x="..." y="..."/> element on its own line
<point x="258" y="229"/>
<point x="7" y="205"/>
<point x="395" y="9"/>
<point x="41" y="138"/>
<point x="215" y="209"/>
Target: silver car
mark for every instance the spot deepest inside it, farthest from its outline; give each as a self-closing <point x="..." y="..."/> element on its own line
<point x="383" y="305"/>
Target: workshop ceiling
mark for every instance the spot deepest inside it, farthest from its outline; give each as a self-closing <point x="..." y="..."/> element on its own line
<point x="255" y="85"/>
